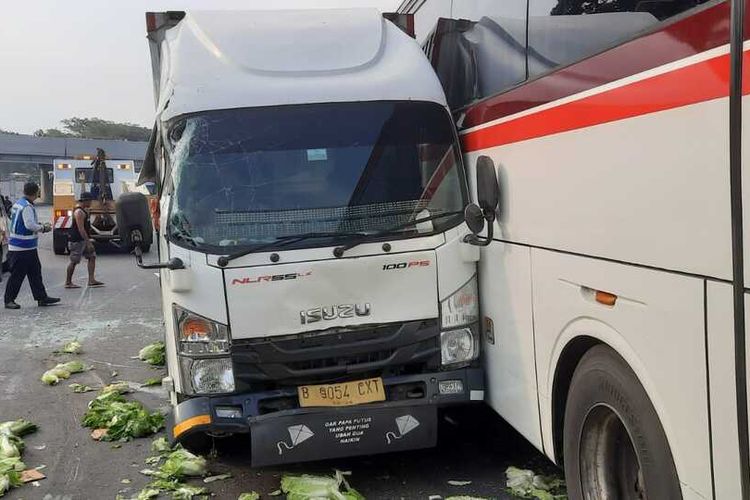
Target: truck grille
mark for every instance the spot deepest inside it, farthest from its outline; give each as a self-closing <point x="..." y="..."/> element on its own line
<point x="389" y="350"/>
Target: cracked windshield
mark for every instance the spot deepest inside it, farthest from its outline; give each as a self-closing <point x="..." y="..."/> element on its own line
<point x="248" y="176"/>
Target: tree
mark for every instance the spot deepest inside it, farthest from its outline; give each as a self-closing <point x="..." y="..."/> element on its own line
<point x="8" y="132"/>
<point x="96" y="128"/>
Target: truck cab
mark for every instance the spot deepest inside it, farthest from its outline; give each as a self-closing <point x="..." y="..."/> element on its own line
<point x="317" y="288"/>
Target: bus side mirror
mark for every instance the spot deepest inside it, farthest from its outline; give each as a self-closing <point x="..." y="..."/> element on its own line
<point x="488" y="195"/>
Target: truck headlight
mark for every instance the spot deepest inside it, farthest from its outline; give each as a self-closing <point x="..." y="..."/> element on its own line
<point x="203" y="346"/>
<point x="197" y="336"/>
<point x="458" y="347"/>
<point x="461" y="308"/>
<point x="208" y="376"/>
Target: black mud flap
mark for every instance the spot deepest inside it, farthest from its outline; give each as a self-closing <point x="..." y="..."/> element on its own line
<point x="334" y="433"/>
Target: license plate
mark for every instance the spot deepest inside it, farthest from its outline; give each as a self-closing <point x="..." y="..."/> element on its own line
<point x="343" y="394"/>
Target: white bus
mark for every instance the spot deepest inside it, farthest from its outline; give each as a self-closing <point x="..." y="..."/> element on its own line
<point x="612" y="292"/>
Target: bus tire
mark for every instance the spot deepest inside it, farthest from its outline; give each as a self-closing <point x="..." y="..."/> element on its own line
<point x="613" y="443"/>
<point x="59" y="242"/>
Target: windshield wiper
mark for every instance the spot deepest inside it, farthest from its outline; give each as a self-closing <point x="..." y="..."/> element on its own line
<point x="339" y="250"/>
<point x="280" y="241"/>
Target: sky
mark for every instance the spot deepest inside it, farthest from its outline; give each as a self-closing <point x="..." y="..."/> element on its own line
<point x="86" y="58"/>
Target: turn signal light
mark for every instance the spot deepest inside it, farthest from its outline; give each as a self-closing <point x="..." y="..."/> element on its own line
<point x="196" y="329"/>
<point x="605" y="298"/>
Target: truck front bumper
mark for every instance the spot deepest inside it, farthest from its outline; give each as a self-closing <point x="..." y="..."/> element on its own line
<point x="303" y="434"/>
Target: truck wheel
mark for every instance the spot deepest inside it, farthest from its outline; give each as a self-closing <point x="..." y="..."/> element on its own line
<point x="613" y="443"/>
<point x="59" y="242"/>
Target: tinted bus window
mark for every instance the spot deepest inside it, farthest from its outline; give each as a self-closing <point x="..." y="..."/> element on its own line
<point x="565" y="31"/>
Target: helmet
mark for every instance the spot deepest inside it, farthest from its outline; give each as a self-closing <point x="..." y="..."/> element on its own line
<point x="86" y="196"/>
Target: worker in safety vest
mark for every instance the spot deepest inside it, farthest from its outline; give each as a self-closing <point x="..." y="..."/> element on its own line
<point x="22" y="250"/>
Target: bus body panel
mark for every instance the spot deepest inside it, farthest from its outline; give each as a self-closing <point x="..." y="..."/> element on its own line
<point x="631" y="197"/>
<point x="654" y="312"/>
<point x="614" y="176"/>
<point x="720" y="356"/>
<point x="506" y="292"/>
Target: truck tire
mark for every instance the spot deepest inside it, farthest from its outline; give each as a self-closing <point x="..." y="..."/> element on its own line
<point x="613" y="443"/>
<point x="59" y="242"/>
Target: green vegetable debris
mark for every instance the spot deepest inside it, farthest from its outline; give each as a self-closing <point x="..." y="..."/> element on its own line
<point x="153" y="354"/>
<point x="122" y="419"/>
<point x="179" y="464"/>
<point x="308" y="487"/>
<point x="251" y="495"/>
<point x="151" y="382"/>
<point x="62" y="371"/>
<point x="81" y="388"/>
<point x="524" y="483"/>
<point x="11" y="448"/>
<point x="73" y="347"/>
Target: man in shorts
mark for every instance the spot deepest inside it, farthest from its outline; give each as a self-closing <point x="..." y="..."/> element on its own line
<point x="80" y="243"/>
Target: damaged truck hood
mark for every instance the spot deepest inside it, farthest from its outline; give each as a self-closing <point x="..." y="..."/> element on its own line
<point x="310" y="296"/>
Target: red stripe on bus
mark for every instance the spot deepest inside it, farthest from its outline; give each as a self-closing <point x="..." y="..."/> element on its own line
<point x="692" y="84"/>
<point x="703" y="30"/>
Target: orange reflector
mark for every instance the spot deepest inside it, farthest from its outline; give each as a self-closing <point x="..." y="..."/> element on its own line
<point x="608" y="299"/>
<point x="190" y="423"/>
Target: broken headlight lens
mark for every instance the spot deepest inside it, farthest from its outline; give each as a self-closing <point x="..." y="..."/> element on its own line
<point x="199" y="336"/>
<point x="461" y="308"/>
<point x="458" y="347"/>
<point x="209" y="376"/>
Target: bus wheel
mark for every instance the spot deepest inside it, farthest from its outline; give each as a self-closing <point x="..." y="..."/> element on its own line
<point x="613" y="443"/>
<point x="59" y="242"/>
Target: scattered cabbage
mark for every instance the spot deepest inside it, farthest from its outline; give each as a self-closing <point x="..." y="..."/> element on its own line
<point x="525" y="483"/>
<point x="153" y="354"/>
<point x="181" y="463"/>
<point x="18" y="428"/>
<point x="160" y="445"/>
<point x="252" y="495"/>
<point x="11" y="447"/>
<point x="73" y="347"/>
<point x="79" y="388"/>
<point x="124" y="420"/>
<point x="62" y="371"/>
<point x="306" y="487"/>
<point x="151" y="382"/>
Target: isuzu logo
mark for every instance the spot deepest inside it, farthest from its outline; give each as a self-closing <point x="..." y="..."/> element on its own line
<point x="327" y="313"/>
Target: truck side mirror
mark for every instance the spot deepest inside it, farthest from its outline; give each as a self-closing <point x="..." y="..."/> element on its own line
<point x="136" y="230"/>
<point x="134" y="220"/>
<point x="488" y="195"/>
<point x="488" y="190"/>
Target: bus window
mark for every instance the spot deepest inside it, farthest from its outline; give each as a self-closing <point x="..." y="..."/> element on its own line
<point x="565" y="31"/>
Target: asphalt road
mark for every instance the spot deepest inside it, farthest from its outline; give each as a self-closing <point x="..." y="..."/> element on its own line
<point x="113" y="323"/>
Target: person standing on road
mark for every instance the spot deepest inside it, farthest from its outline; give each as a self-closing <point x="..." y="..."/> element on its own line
<point x="22" y="250"/>
<point x="80" y="243"/>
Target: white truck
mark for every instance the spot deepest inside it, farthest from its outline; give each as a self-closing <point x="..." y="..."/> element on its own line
<point x="318" y="278"/>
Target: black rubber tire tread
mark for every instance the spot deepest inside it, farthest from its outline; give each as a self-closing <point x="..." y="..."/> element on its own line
<point x="603" y="376"/>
